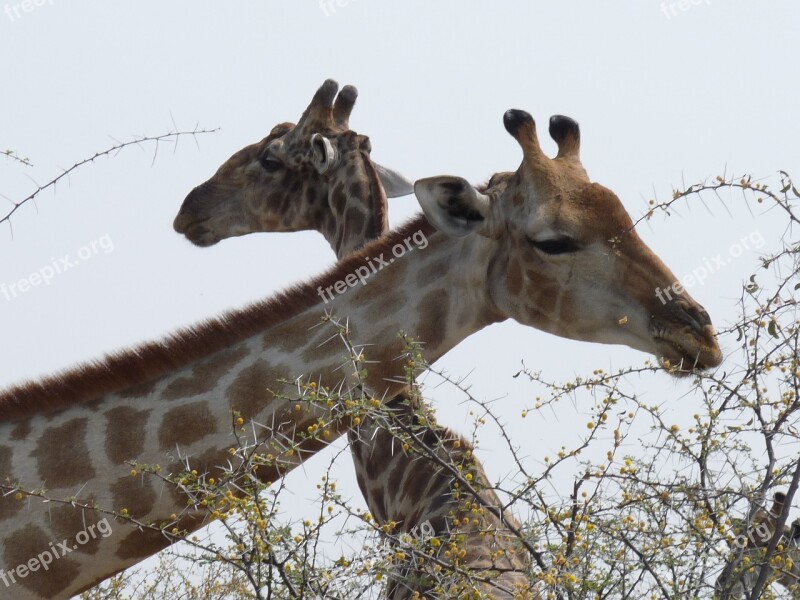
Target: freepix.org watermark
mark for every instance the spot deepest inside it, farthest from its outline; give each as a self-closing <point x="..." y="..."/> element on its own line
<point x="673" y="9"/>
<point x="57" y="266"/>
<point x="17" y="10"/>
<point x="698" y="276"/>
<point x="364" y="272"/>
<point x="329" y="6"/>
<point x="43" y="560"/>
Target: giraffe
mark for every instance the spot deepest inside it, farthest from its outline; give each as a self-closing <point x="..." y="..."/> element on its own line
<point x="542" y="245"/>
<point x="403" y="488"/>
<point x="742" y="569"/>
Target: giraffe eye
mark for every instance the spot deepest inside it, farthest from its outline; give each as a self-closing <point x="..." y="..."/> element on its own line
<point x="270" y="163"/>
<point x="562" y="245"/>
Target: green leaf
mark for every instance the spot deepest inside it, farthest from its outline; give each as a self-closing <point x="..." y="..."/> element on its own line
<point x="741" y="334"/>
<point x="797" y="286"/>
<point x="773" y="329"/>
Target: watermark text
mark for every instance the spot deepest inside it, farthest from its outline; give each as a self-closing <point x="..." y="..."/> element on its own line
<point x="57" y="266"/>
<point x="44" y="559"/>
<point x="373" y="265"/>
<point x="329" y="6"/>
<point x="18" y="10"/>
<point x="698" y="276"/>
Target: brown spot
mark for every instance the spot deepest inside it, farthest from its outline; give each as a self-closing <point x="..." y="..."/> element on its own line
<point x="176" y="469"/>
<point x="139" y="391"/>
<point x="253" y="389"/>
<point x="324" y="348"/>
<point x="546" y="299"/>
<point x="354" y="221"/>
<point x="535" y="315"/>
<point x="399" y="268"/>
<point x="398" y="472"/>
<point x="435" y="269"/>
<point x="359" y="190"/>
<point x="211" y="463"/>
<point x="433" y="323"/>
<point x="205" y="375"/>
<point x="414" y="518"/>
<point x="311" y="196"/>
<point x="374" y="498"/>
<point x="63" y="456"/>
<point x="514" y="279"/>
<point x="21" y="430"/>
<point x="425" y="474"/>
<point x="307" y="323"/>
<point x="67" y="521"/>
<point x="325" y="333"/>
<point x="383" y="362"/>
<point x="385" y="306"/>
<point x="9" y="506"/>
<point x="338" y="199"/>
<point x="135" y="494"/>
<point x="567" y="307"/>
<point x="140" y="544"/>
<point x="125" y="432"/>
<point x="185" y="425"/>
<point x="29" y="542"/>
<point x="377" y="454"/>
<point x="94" y="405"/>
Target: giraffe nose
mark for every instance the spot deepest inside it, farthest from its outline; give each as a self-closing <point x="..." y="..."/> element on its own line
<point x="184" y="218"/>
<point x="694" y="314"/>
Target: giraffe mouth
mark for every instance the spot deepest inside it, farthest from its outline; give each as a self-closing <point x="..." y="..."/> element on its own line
<point x="681" y="358"/>
<point x="685" y="339"/>
<point x="200" y="235"/>
<point x="195" y="231"/>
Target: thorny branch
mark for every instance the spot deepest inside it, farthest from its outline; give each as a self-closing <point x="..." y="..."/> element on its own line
<point x="170" y="137"/>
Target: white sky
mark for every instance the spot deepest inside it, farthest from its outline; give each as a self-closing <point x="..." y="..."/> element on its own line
<point x="659" y="99"/>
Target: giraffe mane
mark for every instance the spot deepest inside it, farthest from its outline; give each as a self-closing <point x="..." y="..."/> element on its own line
<point x="377" y="196"/>
<point x="142" y="364"/>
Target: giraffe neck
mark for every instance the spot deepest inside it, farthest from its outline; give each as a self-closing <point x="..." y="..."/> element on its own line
<point x="356" y="212"/>
<point x="403" y="462"/>
<point x="176" y="415"/>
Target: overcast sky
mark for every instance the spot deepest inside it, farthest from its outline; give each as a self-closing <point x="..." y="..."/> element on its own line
<point x="665" y="92"/>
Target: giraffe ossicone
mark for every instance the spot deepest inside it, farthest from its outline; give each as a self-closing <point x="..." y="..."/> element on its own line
<point x="544" y="246"/>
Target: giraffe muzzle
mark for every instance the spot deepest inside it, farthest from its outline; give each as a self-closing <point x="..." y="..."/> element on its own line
<point x="194" y="229"/>
<point x="684" y="336"/>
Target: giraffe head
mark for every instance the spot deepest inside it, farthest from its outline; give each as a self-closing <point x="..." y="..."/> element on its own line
<point x="314" y="175"/>
<point x="563" y="255"/>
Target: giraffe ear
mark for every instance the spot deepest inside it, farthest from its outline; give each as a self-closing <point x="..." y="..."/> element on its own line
<point x="324" y="153"/>
<point x="452" y="205"/>
<point x="394" y="184"/>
